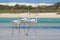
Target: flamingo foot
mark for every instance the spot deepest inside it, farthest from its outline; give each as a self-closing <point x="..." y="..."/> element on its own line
<point x="26" y="34"/>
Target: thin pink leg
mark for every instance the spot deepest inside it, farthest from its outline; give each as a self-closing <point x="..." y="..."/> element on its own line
<point x="35" y="32"/>
<point x="28" y="30"/>
<point x="19" y="29"/>
<point x="12" y="31"/>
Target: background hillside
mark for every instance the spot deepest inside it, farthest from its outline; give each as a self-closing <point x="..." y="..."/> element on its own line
<point x="29" y="7"/>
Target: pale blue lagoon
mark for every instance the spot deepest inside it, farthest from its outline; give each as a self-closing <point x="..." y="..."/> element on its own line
<point x="41" y="22"/>
<point x="45" y="27"/>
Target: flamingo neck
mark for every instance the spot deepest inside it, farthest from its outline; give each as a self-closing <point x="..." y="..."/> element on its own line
<point x="36" y="20"/>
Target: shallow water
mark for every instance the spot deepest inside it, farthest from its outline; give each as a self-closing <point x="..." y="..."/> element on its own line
<point x="45" y="27"/>
<point x="39" y="20"/>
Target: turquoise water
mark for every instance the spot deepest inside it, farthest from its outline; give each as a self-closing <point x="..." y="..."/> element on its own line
<point x="45" y="27"/>
<point x="40" y="20"/>
<point x="41" y="23"/>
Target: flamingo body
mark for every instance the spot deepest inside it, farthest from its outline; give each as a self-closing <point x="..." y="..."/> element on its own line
<point x="15" y="21"/>
<point x="24" y="20"/>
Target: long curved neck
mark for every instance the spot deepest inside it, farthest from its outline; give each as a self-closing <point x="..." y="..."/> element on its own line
<point x="28" y="16"/>
<point x="19" y="21"/>
<point x="36" y="18"/>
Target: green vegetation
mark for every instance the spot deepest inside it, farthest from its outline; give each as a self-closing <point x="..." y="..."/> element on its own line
<point x="57" y="5"/>
<point x="58" y="13"/>
<point x="22" y="8"/>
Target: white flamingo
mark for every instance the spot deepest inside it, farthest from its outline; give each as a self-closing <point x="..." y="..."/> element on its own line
<point x="31" y="22"/>
<point x="17" y="22"/>
<point x="24" y="20"/>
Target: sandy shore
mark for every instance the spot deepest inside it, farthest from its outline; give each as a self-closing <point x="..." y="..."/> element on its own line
<point x="33" y="15"/>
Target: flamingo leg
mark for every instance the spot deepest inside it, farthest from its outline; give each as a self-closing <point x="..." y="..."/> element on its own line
<point x="12" y="30"/>
<point x="35" y="31"/>
<point x="28" y="30"/>
<point x="19" y="29"/>
<point x="24" y="27"/>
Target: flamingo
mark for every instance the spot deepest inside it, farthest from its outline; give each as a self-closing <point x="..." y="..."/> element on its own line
<point x="17" y="22"/>
<point x="31" y="21"/>
<point x="24" y="20"/>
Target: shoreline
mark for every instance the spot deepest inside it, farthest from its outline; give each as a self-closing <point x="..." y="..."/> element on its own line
<point x="31" y="15"/>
